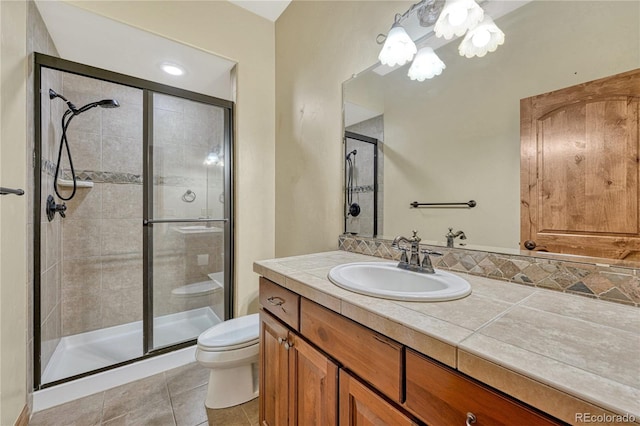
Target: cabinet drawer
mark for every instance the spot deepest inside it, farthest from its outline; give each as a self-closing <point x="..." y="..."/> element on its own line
<point x="371" y="356"/>
<point x="281" y="302"/>
<point x="441" y="397"/>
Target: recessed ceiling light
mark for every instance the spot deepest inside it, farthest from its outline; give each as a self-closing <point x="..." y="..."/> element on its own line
<point x="172" y="69"/>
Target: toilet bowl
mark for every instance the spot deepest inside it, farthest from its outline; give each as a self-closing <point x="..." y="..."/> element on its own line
<point x="230" y="351"/>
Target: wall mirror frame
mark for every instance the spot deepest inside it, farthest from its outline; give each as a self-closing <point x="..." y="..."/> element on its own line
<point x="456" y="137"/>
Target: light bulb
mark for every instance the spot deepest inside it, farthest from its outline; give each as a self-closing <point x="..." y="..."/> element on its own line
<point x="481" y="37"/>
<point x="457" y="16"/>
<point x="172" y="69"/>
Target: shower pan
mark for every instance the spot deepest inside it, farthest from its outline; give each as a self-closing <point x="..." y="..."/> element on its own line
<point x="139" y="262"/>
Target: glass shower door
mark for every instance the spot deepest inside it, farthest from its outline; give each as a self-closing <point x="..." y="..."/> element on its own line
<point x="189" y="214"/>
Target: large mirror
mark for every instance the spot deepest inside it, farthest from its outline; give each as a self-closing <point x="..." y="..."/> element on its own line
<point x="456" y="137"/>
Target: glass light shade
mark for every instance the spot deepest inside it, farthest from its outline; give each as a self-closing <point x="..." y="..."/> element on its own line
<point x="426" y="65"/>
<point x="398" y="48"/>
<point x="457" y="17"/>
<point x="484" y="37"/>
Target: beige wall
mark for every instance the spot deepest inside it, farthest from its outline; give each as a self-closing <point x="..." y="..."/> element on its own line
<point x="13" y="210"/>
<point x="319" y="44"/>
<point x="229" y="31"/>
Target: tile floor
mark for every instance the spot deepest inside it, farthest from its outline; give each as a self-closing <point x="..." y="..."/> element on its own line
<point x="173" y="398"/>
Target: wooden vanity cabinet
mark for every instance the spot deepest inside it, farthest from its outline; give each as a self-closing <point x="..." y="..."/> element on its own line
<point x="441" y="396"/>
<point x="320" y="368"/>
<point x="298" y="384"/>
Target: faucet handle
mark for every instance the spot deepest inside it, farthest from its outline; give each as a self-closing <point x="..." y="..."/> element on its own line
<point x="428" y="252"/>
<point x="415" y="237"/>
<point x="403" y="255"/>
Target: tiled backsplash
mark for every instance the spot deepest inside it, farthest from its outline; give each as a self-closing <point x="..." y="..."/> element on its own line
<point x="611" y="283"/>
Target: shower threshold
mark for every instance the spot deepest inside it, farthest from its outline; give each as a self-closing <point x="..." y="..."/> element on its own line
<point x="97" y="349"/>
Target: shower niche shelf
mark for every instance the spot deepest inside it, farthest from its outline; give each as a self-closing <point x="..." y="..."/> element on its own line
<point x="79" y="183"/>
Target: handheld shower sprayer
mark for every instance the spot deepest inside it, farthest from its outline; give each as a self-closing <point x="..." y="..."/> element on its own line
<point x="105" y="103"/>
<point x="64" y="143"/>
<point x="354" y="208"/>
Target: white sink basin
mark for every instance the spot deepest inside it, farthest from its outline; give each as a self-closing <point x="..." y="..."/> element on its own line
<point x="387" y="281"/>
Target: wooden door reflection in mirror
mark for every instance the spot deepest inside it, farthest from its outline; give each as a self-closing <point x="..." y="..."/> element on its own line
<point x="580" y="168"/>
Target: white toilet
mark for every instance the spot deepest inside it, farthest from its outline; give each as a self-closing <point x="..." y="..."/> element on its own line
<point x="230" y="350"/>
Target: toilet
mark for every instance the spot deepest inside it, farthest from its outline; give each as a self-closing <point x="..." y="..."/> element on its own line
<point x="230" y="351"/>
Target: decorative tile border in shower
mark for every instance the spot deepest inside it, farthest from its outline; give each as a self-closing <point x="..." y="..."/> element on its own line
<point x="610" y="283"/>
<point x="364" y="188"/>
<point x="104" y="177"/>
<point x="49" y="168"/>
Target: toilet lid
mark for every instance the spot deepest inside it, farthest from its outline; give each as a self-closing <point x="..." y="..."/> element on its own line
<point x="235" y="333"/>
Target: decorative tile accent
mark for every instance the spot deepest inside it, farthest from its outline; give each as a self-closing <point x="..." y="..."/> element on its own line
<point x="49" y="168"/>
<point x="610" y="283"/>
<point x="363" y="188"/>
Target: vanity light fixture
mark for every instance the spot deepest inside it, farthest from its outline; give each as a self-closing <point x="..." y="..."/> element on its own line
<point x="446" y="20"/>
<point x="484" y="37"/>
<point x="398" y="48"/>
<point x="172" y="69"/>
<point x="426" y="65"/>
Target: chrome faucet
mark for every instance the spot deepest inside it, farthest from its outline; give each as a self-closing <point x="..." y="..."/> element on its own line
<point x="452" y="236"/>
<point x="412" y="262"/>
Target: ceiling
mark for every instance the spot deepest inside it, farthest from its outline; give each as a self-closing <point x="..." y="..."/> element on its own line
<point x="204" y="72"/>
<point x="269" y="9"/>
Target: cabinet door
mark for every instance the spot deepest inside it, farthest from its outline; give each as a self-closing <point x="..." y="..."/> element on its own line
<point x="274" y="372"/>
<point x="360" y="406"/>
<point x="314" y="378"/>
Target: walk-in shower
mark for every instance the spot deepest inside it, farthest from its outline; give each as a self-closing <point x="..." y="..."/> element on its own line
<point x="361" y="188"/>
<point x="140" y="262"/>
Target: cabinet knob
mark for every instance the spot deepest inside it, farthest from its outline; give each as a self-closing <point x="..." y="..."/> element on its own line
<point x="288" y="345"/>
<point x="471" y="419"/>
<point x="280" y="340"/>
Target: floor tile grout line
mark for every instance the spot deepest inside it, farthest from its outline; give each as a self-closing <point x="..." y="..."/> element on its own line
<point x="166" y="385"/>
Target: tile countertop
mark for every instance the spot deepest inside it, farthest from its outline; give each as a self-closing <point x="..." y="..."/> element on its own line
<point x="562" y="353"/>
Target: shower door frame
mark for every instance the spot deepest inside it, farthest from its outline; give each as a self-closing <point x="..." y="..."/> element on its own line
<point x="148" y="88"/>
<point x="374" y="142"/>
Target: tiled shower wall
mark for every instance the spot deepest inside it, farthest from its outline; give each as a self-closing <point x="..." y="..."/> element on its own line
<point x="363" y="194"/>
<point x="611" y="283"/>
<point x="102" y="232"/>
